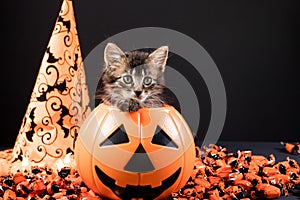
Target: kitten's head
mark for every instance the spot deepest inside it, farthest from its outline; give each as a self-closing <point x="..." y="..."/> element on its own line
<point x="134" y="75"/>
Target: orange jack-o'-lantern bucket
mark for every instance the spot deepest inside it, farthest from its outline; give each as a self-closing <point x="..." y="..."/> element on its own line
<point x="146" y="154"/>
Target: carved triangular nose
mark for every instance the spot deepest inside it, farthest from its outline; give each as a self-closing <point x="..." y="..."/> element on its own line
<point x="139" y="162"/>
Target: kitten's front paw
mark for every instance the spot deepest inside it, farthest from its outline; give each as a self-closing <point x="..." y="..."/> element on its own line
<point x="129" y="105"/>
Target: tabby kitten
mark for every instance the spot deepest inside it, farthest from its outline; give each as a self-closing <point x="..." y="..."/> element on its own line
<point x="132" y="80"/>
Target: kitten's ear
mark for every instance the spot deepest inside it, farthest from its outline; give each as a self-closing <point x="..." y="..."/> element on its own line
<point x="112" y="54"/>
<point x="159" y="57"/>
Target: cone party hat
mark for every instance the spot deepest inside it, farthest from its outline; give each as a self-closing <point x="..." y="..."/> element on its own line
<point x="59" y="102"/>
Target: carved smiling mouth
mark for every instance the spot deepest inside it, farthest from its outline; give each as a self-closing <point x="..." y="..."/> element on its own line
<point x="136" y="191"/>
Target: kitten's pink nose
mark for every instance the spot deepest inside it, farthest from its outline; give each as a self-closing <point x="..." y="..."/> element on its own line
<point x="137" y="93"/>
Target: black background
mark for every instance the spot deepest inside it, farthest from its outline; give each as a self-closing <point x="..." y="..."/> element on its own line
<point x="255" y="45"/>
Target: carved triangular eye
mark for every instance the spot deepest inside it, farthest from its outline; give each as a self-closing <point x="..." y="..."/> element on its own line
<point x="161" y="138"/>
<point x="117" y="137"/>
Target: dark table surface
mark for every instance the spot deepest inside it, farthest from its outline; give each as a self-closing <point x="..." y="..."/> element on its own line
<point x="261" y="148"/>
<point x="265" y="149"/>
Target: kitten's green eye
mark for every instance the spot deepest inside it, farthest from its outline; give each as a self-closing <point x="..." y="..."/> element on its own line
<point x="147" y="81"/>
<point x="127" y="79"/>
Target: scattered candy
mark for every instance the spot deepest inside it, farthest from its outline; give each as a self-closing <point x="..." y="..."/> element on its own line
<point x="291" y="148"/>
<point x="218" y="174"/>
<point x="46" y="184"/>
